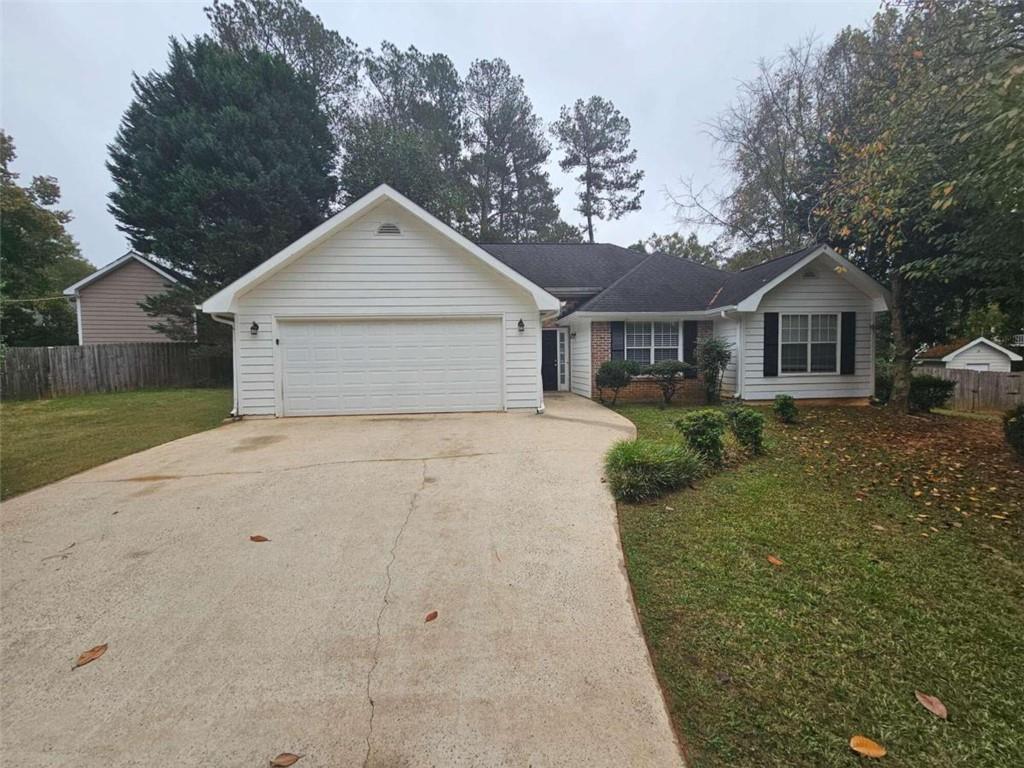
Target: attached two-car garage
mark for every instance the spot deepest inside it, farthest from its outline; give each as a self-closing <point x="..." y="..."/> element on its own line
<point x="332" y="367"/>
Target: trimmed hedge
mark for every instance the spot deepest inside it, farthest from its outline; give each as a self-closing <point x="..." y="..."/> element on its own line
<point x="748" y="426"/>
<point x="643" y="469"/>
<point x="927" y="392"/>
<point x="785" y="408"/>
<point x="704" y="431"/>
<point x="1013" y="428"/>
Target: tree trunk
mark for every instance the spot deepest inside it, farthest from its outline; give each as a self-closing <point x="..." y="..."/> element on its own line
<point x="903" y="350"/>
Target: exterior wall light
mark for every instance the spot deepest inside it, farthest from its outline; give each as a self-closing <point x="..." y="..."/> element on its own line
<point x="521" y="326"/>
<point x="254" y="329"/>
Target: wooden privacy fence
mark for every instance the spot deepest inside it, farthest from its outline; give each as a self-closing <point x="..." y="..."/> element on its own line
<point x="37" y="372"/>
<point x="981" y="390"/>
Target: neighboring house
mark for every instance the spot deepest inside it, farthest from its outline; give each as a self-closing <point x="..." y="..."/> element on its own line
<point x="980" y="354"/>
<point x="107" y="301"/>
<point x="384" y="309"/>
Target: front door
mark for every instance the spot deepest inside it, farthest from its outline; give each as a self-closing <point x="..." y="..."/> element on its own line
<point x="549" y="360"/>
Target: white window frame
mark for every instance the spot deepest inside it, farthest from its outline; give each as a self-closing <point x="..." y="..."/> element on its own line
<point x="650" y="332"/>
<point x="809" y="343"/>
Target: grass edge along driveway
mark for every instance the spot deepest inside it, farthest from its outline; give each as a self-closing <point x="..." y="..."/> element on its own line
<point x="902" y="569"/>
<point x="42" y="441"/>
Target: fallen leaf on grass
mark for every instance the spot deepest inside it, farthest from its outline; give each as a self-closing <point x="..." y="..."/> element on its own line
<point x="932" y="704"/>
<point x="258" y="538"/>
<point x="774" y="560"/>
<point x="284" y="760"/>
<point x="865" y="746"/>
<point x="878" y="527"/>
<point x="431" y="616"/>
<point x="91" y="655"/>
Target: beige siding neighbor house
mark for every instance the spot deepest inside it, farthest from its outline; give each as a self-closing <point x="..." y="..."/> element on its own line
<point x="107" y="301"/>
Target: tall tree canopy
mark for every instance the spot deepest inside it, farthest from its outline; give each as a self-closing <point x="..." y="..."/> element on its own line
<point x="685" y="247"/>
<point x="219" y="162"/>
<point x="38" y="259"/>
<point x="408" y="132"/>
<point x="289" y="30"/>
<point x="902" y="145"/>
<point x="594" y="136"/>
<point x="511" y="195"/>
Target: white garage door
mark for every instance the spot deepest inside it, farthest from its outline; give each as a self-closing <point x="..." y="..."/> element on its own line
<point x="390" y="366"/>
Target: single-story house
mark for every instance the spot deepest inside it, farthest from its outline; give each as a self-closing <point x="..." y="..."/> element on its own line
<point x="107" y="301"/>
<point x="978" y="354"/>
<point x="385" y="309"/>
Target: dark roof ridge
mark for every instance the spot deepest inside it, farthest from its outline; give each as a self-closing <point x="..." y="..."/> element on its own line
<point x="807" y="248"/>
<point x="622" y="277"/>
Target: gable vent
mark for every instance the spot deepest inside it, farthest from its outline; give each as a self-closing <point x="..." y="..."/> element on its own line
<point x="387" y="228"/>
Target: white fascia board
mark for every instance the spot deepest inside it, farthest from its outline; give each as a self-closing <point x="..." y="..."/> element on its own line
<point x="862" y="280"/>
<point x="72" y="290"/>
<point x="982" y="340"/>
<point x="703" y="314"/>
<point x="224" y="300"/>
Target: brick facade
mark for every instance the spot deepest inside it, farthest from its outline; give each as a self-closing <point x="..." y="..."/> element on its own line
<point x="641" y="390"/>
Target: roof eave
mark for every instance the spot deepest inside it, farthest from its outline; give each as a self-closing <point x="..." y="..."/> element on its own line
<point x="74" y="289"/>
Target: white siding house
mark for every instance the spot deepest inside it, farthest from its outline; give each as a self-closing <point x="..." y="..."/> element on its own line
<point x="980" y="354"/>
<point x="383" y="309"/>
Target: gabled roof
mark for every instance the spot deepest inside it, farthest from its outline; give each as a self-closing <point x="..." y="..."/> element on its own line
<point x="659" y="283"/>
<point x="224" y="300"/>
<point x="556" y="266"/>
<point x="946" y="352"/>
<point x="743" y="283"/>
<point x="164" y="272"/>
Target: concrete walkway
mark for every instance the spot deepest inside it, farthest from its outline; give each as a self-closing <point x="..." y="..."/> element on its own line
<point x="225" y="652"/>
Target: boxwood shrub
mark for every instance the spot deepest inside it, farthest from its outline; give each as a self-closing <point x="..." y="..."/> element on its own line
<point x="785" y="408"/>
<point x="644" y="469"/>
<point x="704" y="431"/>
<point x="748" y="426"/>
<point x="1013" y="427"/>
<point x="927" y="392"/>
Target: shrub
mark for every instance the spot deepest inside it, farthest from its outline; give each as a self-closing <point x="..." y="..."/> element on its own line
<point x="1013" y="427"/>
<point x="614" y="375"/>
<point x="748" y="426"/>
<point x="668" y="375"/>
<point x="642" y="469"/>
<point x="713" y="355"/>
<point x="927" y="392"/>
<point x="785" y="408"/>
<point x="704" y="431"/>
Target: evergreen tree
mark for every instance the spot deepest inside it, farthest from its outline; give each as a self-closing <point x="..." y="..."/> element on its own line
<point x="38" y="259"/>
<point x="594" y="136"/>
<point x="219" y="162"/>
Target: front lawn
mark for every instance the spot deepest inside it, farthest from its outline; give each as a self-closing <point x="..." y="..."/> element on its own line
<point x="45" y="440"/>
<point x="902" y="569"/>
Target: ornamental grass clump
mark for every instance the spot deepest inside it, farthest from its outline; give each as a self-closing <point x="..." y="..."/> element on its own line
<point x="643" y="469"/>
<point x="704" y="431"/>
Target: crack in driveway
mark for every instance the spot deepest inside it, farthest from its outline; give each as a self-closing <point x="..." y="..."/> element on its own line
<point x="383" y="606"/>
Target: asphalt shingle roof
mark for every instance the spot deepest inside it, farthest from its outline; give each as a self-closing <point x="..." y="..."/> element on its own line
<point x="629" y="281"/>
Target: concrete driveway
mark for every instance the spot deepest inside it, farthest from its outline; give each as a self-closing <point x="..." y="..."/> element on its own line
<point x="225" y="652"/>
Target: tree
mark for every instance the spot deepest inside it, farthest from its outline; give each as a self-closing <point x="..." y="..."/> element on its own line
<point x="594" y="136"/>
<point x="38" y="259"/>
<point x="219" y="163"/>
<point x="511" y="196"/>
<point x="287" y="29"/>
<point x="409" y="132"/>
<point x="689" y="247"/>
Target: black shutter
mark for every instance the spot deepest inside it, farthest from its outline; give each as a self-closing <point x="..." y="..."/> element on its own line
<point x="848" y="344"/>
<point x="690" y="345"/>
<point x="771" y="343"/>
<point x="618" y="340"/>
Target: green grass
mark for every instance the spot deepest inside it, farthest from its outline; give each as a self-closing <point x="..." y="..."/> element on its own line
<point x="45" y="440"/>
<point x="780" y="665"/>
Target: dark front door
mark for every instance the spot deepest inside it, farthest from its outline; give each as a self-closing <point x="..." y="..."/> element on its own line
<point x="549" y="360"/>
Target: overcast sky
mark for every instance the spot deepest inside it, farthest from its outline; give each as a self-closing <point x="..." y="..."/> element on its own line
<point x="66" y="78"/>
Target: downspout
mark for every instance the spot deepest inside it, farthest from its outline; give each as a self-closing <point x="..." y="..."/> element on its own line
<point x="229" y="320"/>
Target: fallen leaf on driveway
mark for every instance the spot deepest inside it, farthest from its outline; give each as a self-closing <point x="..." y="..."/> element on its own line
<point x="91" y="655"/>
<point x="774" y="560"/>
<point x="932" y="704"/>
<point x="865" y="746"/>
<point x="259" y="538"/>
<point x="284" y="760"/>
<point x="431" y="616"/>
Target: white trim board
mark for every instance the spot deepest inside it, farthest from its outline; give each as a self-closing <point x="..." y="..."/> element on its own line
<point x="72" y="290"/>
<point x="225" y="299"/>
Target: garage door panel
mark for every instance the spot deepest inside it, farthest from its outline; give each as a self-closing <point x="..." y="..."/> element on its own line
<point x="391" y="366"/>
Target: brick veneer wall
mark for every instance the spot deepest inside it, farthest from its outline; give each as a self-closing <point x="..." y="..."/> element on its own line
<point x="641" y="390"/>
